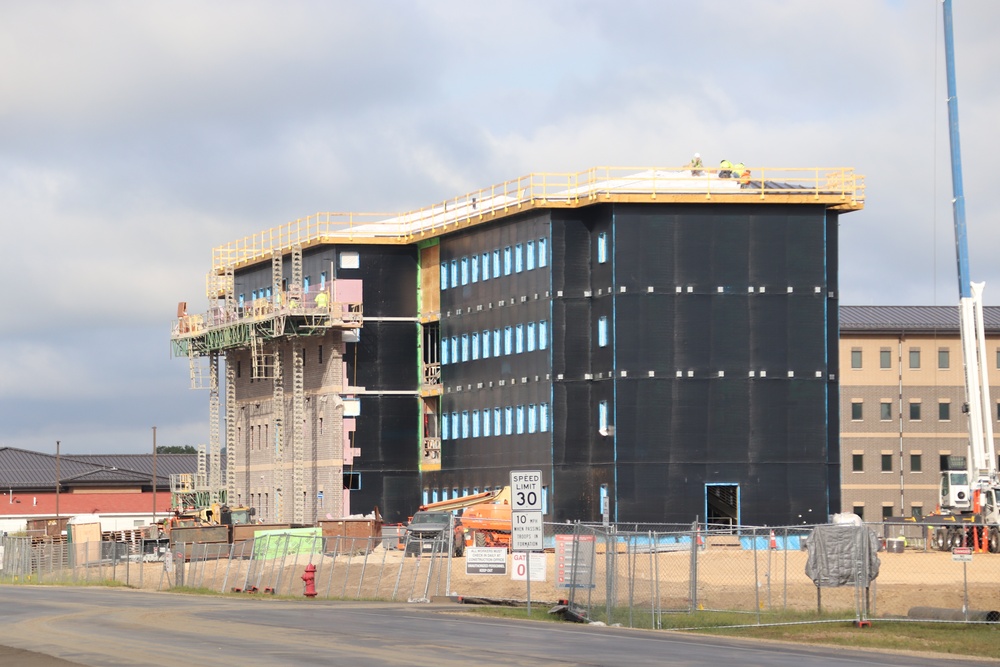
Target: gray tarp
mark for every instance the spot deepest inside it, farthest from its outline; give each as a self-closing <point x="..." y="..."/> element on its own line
<point x="841" y="555"/>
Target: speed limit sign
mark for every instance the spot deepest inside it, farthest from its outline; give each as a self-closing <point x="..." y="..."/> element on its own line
<point x="526" y="510"/>
<point x="526" y="490"/>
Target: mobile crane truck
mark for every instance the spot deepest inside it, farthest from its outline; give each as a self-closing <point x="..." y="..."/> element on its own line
<point x="968" y="513"/>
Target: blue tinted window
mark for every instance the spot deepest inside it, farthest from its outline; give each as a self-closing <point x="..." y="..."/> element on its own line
<point x="486" y="423"/>
<point x="518" y="258"/>
<point x="454" y="350"/>
<point x="475" y="345"/>
<point x="465" y="347"/>
<point x="486" y="344"/>
<point x="506" y="261"/>
<point x="475" y="268"/>
<point x="543" y="252"/>
<point x="532" y="418"/>
<point x="486" y="266"/>
<point x="602" y="331"/>
<point x="508" y="340"/>
<point x="475" y="423"/>
<point x="465" y="270"/>
<point x="465" y="423"/>
<point x="454" y="273"/>
<point x="519" y="339"/>
<point x="445" y="428"/>
<point x="543" y="335"/>
<point x="602" y="247"/>
<point x="497" y="341"/>
<point x="520" y="419"/>
<point x="454" y="426"/>
<point x="543" y="417"/>
<point x="497" y="425"/>
<point x="496" y="263"/>
<point x="508" y="420"/>
<point x="444" y="352"/>
<point x="531" y="336"/>
<point x="529" y="256"/>
<point x="444" y="275"/>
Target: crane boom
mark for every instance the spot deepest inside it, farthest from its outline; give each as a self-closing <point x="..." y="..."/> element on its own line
<point x="981" y="463"/>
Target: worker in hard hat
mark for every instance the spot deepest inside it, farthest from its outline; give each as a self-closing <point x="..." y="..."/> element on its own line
<point x="725" y="169"/>
<point x="695" y="165"/>
<point x="322" y="300"/>
<point x="744" y="175"/>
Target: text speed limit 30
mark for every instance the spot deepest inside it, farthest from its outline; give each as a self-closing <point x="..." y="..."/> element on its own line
<point x="526" y="489"/>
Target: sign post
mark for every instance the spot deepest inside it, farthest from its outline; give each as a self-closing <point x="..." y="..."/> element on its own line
<point x="963" y="555"/>
<point x="526" y="516"/>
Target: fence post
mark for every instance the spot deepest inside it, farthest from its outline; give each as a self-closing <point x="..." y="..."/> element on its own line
<point x="693" y="568"/>
<point x="756" y="576"/>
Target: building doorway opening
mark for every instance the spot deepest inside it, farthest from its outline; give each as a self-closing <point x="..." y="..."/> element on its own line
<point x="722" y="505"/>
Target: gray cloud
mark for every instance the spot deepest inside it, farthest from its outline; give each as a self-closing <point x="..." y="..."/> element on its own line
<point x="135" y="137"/>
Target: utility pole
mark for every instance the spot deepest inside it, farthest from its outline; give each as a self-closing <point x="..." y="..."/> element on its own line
<point x="57" y="486"/>
<point x="154" y="475"/>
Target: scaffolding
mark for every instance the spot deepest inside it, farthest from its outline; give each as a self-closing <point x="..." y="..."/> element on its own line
<point x="230" y="479"/>
<point x="278" y="419"/>
<point x="298" y="434"/>
<point x="196" y="491"/>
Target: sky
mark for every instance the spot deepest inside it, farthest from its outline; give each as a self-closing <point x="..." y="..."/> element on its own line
<point x="137" y="136"/>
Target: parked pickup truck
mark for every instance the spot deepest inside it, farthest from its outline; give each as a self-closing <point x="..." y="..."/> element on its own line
<point x="427" y="533"/>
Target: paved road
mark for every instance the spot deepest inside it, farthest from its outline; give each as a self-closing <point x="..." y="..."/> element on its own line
<point x="100" y="627"/>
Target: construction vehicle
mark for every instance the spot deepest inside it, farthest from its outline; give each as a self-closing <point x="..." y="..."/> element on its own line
<point x="484" y="519"/>
<point x="211" y="515"/>
<point x="968" y="513"/>
<point x="487" y="523"/>
<point x="428" y="532"/>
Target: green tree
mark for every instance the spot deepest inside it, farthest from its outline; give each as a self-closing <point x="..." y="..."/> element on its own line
<point x="176" y="449"/>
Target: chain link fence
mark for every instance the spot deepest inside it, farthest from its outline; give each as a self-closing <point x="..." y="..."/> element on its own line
<point x="651" y="576"/>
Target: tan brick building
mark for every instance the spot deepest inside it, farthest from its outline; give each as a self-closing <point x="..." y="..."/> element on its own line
<point x="902" y="391"/>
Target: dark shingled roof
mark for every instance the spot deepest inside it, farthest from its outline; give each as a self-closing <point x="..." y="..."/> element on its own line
<point x="23" y="469"/>
<point x="924" y="319"/>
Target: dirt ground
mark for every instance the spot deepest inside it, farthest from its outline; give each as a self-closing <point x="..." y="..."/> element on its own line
<point x="728" y="579"/>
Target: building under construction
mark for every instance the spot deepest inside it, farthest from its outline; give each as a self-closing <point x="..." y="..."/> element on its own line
<point x="661" y="344"/>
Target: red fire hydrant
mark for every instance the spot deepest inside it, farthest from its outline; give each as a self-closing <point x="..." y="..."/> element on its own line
<point x="309" y="576"/>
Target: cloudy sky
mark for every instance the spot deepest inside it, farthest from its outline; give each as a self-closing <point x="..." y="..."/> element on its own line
<point x="137" y="136"/>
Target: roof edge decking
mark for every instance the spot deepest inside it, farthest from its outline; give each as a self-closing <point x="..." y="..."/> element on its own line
<point x="836" y="188"/>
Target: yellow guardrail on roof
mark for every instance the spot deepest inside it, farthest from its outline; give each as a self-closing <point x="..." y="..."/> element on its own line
<point x="838" y="188"/>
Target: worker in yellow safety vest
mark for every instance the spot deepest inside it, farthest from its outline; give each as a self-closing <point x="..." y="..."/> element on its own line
<point x="322" y="300"/>
<point x="725" y="169"/>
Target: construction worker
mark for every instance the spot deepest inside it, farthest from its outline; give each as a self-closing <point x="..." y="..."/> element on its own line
<point x="322" y="300"/>
<point x="696" y="165"/>
<point x="725" y="169"/>
<point x="744" y="175"/>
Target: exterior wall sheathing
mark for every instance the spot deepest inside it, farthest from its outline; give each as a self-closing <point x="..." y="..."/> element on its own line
<point x="704" y="336"/>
